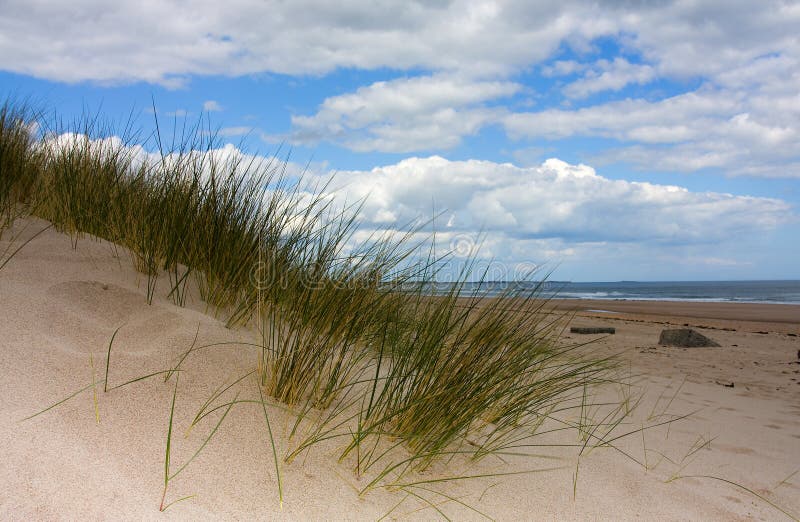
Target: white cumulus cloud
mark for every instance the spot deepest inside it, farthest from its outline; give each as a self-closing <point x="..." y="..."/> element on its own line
<point x="558" y="213"/>
<point x="554" y="200"/>
<point x="405" y="114"/>
<point x="610" y="75"/>
<point x="211" y="106"/>
<point x="741" y="133"/>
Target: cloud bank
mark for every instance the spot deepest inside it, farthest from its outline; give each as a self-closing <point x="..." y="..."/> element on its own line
<point x="562" y="214"/>
<point x="453" y="68"/>
<point x="554" y="200"/>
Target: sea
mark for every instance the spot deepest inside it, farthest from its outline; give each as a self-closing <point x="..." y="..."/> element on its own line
<point x="777" y="292"/>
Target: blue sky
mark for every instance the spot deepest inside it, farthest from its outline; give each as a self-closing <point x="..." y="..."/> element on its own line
<point x="611" y="140"/>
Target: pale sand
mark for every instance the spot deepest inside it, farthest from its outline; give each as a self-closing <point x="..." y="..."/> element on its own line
<point x="58" y="305"/>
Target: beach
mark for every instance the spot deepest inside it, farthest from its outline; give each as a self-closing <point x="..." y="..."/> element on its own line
<point x="781" y="318"/>
<point x="715" y="434"/>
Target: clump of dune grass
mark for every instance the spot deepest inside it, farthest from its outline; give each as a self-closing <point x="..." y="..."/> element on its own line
<point x="20" y="162"/>
<point x="449" y="375"/>
<point x="350" y="335"/>
<point x="83" y="179"/>
<point x="472" y="368"/>
<point x="318" y="323"/>
<point x="20" y="165"/>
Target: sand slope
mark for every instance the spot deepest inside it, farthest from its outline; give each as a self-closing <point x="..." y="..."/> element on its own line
<point x="58" y="305"/>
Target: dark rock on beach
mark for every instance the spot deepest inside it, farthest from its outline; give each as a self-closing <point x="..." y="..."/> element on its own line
<point x="592" y="330"/>
<point x="685" y="337"/>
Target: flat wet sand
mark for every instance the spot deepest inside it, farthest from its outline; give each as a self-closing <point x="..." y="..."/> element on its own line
<point x="788" y="316"/>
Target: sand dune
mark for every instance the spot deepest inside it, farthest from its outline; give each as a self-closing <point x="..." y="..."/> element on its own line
<point x="59" y="307"/>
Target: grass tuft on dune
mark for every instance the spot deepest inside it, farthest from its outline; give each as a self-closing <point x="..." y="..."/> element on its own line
<point x="351" y="337"/>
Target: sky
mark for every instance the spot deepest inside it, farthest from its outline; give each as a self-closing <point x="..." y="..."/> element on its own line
<point x="654" y="140"/>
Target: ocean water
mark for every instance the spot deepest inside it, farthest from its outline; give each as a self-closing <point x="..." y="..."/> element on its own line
<point x="784" y="292"/>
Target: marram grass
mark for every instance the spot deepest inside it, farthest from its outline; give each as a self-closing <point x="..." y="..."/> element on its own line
<point x="350" y="338"/>
<point x="349" y="330"/>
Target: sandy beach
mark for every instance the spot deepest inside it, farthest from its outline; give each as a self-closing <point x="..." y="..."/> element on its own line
<point x="755" y="317"/>
<point x="59" y="307"/>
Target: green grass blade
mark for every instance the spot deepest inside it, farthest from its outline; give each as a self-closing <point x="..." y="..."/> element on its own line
<point x="207" y="439"/>
<point x="743" y="488"/>
<point x="59" y="402"/>
<point x="274" y="450"/>
<point x="23" y="245"/>
<point x="108" y="358"/>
